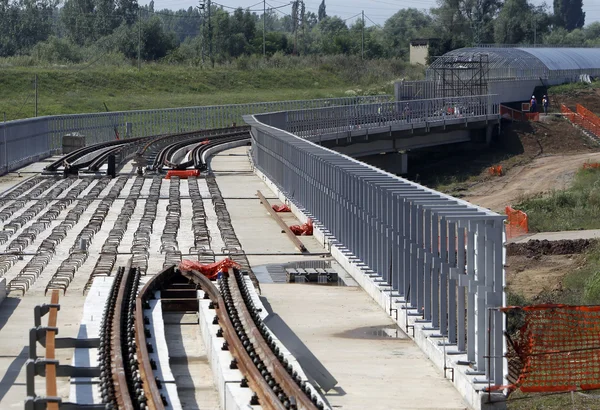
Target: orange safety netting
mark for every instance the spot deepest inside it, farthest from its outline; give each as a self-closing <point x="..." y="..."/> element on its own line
<point x="211" y="270"/>
<point x="588" y="115"/>
<point x="591" y="165"/>
<point x="583" y="117"/>
<point x="204" y="142"/>
<point x="281" y="208"/>
<point x="517" y="223"/>
<point x="496" y="170"/>
<point x="304" y="229"/>
<point x="558" y="348"/>
<point x="182" y="173"/>
<point x="516" y="115"/>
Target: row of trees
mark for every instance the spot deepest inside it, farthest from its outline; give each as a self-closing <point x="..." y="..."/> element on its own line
<point x="121" y="26"/>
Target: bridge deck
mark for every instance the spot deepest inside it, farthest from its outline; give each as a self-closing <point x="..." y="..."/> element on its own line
<point x="373" y="372"/>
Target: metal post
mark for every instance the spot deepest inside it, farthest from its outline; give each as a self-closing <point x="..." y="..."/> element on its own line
<point x="139" y="50"/>
<point x="36" y="95"/>
<point x="5" y="143"/>
<point x="210" y="51"/>
<point x="362" y="43"/>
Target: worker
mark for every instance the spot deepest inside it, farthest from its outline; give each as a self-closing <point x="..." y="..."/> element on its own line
<point x="407" y="112"/>
<point x="533" y="104"/>
<point x="545" y="104"/>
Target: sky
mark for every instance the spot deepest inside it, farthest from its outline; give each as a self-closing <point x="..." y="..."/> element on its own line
<point x="376" y="11"/>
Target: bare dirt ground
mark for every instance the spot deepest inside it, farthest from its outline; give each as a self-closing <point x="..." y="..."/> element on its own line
<point x="543" y="174"/>
<point x="589" y="98"/>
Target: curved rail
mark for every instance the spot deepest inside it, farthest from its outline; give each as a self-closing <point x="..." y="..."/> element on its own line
<point x="78" y="154"/>
<point x="247" y="338"/>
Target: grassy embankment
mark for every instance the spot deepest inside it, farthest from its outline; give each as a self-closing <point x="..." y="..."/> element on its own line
<point x="80" y="89"/>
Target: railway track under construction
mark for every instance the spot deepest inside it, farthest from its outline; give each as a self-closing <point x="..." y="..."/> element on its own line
<point x="127" y="338"/>
<point x="179" y="152"/>
<point x="127" y="373"/>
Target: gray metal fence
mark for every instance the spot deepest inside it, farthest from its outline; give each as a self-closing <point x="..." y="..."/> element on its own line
<point x="442" y="255"/>
<point x="413" y="113"/>
<point x="31" y="139"/>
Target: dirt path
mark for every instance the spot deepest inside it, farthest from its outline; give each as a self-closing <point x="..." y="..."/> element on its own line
<point x="553" y="172"/>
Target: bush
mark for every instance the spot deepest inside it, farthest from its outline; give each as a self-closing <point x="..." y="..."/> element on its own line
<point x="57" y="51"/>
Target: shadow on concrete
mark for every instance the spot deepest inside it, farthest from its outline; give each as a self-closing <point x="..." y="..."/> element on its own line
<point x="12" y="372"/>
<point x="7" y="308"/>
<point x="314" y="369"/>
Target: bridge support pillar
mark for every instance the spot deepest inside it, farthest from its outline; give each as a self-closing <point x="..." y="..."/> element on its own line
<point x="488" y="134"/>
<point x="394" y="162"/>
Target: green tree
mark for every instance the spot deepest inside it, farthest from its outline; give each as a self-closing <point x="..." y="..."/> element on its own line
<point x="322" y="11"/>
<point x="513" y="24"/>
<point x="78" y="19"/>
<point x="569" y="14"/>
<point x="404" y="26"/>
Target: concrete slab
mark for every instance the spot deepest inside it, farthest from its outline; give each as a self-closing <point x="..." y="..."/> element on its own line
<point x="342" y="327"/>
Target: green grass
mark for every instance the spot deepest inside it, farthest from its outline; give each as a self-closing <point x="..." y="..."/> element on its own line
<point x="575" y="208"/>
<point x="569" y="88"/>
<point x="72" y="89"/>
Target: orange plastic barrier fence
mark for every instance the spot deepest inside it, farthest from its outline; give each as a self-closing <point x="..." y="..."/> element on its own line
<point x="587" y="122"/>
<point x="591" y="165"/>
<point x="281" y="208"/>
<point x="588" y="115"/>
<point x="303" y="230"/>
<point x="558" y="348"/>
<point x="212" y="270"/>
<point x="516" y="115"/>
<point x="517" y="223"/>
<point x="496" y="170"/>
<point x="182" y="173"/>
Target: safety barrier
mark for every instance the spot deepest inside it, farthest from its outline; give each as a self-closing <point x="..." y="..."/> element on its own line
<point x="586" y="121"/>
<point x="517" y="223"/>
<point x="409" y="114"/>
<point x="25" y="141"/>
<point x="557" y="348"/>
<point x="404" y="235"/>
<point x="588" y="115"/>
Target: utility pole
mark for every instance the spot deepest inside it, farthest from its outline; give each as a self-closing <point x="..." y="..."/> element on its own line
<point x="203" y="8"/>
<point x="210" y="53"/>
<point x="264" y="17"/>
<point x="5" y="144"/>
<point x="139" y="39"/>
<point x="362" y="41"/>
<point x="534" y="30"/>
<point x="36" y="95"/>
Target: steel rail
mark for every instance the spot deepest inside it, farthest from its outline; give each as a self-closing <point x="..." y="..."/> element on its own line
<point x="81" y="152"/>
<point x="122" y="393"/>
<point x="267" y="397"/>
<point x="272" y="362"/>
<point x="297" y="243"/>
<point x="151" y="391"/>
<point x="165" y="139"/>
<point x="198" y="153"/>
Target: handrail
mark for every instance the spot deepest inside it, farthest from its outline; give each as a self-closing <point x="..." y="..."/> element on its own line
<point x="51" y="389"/>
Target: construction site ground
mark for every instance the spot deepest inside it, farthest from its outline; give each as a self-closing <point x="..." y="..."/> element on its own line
<point x="536" y="158"/>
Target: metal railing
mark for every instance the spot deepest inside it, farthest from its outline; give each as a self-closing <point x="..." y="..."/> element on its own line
<point x="415" y="113"/>
<point x="25" y="141"/>
<point x="441" y="255"/>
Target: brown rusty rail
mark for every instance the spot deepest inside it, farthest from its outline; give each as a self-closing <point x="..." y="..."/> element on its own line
<point x="51" y="389"/>
<point x="119" y="377"/>
<point x="268" y="399"/>
<point x="151" y="391"/>
<point x="297" y="243"/>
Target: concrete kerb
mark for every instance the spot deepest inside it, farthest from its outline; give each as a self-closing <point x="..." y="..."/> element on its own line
<point x="432" y="346"/>
<point x="231" y="395"/>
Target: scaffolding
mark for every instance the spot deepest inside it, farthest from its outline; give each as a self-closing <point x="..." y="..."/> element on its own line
<point x="460" y="75"/>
